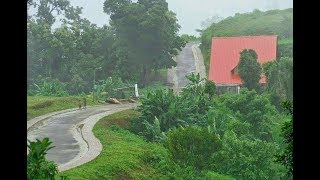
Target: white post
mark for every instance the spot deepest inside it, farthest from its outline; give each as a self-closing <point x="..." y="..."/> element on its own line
<point x="238" y="87"/>
<point x="136" y="90"/>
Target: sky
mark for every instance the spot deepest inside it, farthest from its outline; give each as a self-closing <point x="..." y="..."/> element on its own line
<point x="190" y="13"/>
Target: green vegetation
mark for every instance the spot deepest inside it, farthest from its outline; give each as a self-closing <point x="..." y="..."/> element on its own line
<point x="40" y="105"/>
<point x="69" y="59"/>
<point x="249" y="69"/>
<point x="189" y="38"/>
<point x="123" y="156"/>
<point x="198" y="154"/>
<point x="273" y="22"/>
<point x="286" y="157"/>
<point x="279" y="76"/>
<point x="227" y="134"/>
<point x="38" y="167"/>
<point x="194" y="135"/>
<point x="191" y="136"/>
<point x="128" y="156"/>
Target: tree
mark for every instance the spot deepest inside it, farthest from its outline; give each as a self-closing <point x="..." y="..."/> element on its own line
<point x="210" y="88"/>
<point x="249" y="106"/>
<point x="246" y="159"/>
<point x="47" y="8"/>
<point x="279" y="75"/>
<point x="286" y="158"/>
<point x="249" y="69"/>
<point x="147" y="33"/>
<point x="70" y="52"/>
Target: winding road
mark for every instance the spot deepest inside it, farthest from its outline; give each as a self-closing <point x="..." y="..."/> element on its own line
<point x="71" y="130"/>
<point x="65" y="131"/>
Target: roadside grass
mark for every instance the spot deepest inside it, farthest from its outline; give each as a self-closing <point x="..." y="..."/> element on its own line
<point x="124" y="155"/>
<point x="40" y="105"/>
<point x="144" y="91"/>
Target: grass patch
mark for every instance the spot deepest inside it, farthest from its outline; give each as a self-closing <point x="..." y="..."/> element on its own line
<point x="150" y="88"/>
<point x="40" y="105"/>
<point x="124" y="155"/>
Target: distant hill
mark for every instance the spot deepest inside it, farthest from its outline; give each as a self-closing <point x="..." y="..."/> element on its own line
<point x="273" y="22"/>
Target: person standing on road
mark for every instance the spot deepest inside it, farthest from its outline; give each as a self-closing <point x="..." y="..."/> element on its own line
<point x="84" y="102"/>
<point x="79" y="103"/>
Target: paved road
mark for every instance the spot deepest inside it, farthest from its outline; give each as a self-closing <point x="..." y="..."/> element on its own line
<point x="188" y="60"/>
<point x="185" y="65"/>
<point x="59" y="129"/>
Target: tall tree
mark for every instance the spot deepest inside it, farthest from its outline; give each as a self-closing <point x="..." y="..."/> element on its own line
<point x="147" y="31"/>
<point x="286" y="157"/>
<point x="279" y="76"/>
<point x="249" y="69"/>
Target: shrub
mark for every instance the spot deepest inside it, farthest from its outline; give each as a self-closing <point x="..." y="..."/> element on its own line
<point x="210" y="88"/>
<point x="42" y="105"/>
<point x="37" y="165"/>
<point x="247" y="159"/>
<point x="192" y="146"/>
<point x="163" y="105"/>
<point x="215" y="176"/>
<point x="253" y="108"/>
<point x="48" y="87"/>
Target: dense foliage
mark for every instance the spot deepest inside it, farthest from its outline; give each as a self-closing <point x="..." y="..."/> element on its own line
<point x="286" y="157"/>
<point x="228" y="134"/>
<point x="67" y="59"/>
<point x="249" y="69"/>
<point x="147" y="32"/>
<point x="279" y="76"/>
<point x="189" y="38"/>
<point x="199" y="152"/>
<point x="38" y="167"/>
<point x="195" y="134"/>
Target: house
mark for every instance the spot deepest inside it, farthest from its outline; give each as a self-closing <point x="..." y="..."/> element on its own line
<point x="225" y="56"/>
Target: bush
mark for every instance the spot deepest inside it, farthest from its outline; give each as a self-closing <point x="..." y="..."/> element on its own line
<point x="48" y="87"/>
<point x="109" y="85"/>
<point x="42" y="105"/>
<point x="215" y="176"/>
<point x="163" y="105"/>
<point x="249" y="106"/>
<point x="247" y="159"/>
<point x="192" y="146"/>
<point x="210" y="88"/>
<point x="37" y="165"/>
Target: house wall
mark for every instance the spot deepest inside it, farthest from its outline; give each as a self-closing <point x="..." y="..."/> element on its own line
<point x="222" y="89"/>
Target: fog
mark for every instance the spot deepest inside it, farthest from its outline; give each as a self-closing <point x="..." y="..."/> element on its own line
<point x="190" y="13"/>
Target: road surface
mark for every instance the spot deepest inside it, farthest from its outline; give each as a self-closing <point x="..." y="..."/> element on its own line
<point x="60" y="129"/>
<point x="188" y="60"/>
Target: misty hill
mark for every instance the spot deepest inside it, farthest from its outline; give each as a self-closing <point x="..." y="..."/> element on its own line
<point x="273" y="22"/>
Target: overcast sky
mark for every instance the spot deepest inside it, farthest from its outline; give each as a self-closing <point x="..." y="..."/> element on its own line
<point x="190" y="13"/>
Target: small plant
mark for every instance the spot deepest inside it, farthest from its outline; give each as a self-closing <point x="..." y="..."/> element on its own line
<point x="38" y="167"/>
<point x="195" y="83"/>
<point x="209" y="88"/>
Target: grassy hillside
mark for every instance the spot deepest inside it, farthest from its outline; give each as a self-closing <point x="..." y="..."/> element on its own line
<point x="273" y="22"/>
<point x="128" y="156"/>
<point x="124" y="155"/>
<point x="40" y="105"/>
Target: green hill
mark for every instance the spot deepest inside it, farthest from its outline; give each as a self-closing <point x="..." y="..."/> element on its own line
<point x="273" y="22"/>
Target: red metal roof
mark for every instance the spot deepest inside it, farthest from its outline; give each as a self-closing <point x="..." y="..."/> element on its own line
<point x="225" y="55"/>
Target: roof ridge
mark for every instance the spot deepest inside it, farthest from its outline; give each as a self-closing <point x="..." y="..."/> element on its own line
<point x="227" y="37"/>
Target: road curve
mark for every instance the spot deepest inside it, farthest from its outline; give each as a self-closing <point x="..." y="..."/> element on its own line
<point x="66" y="133"/>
